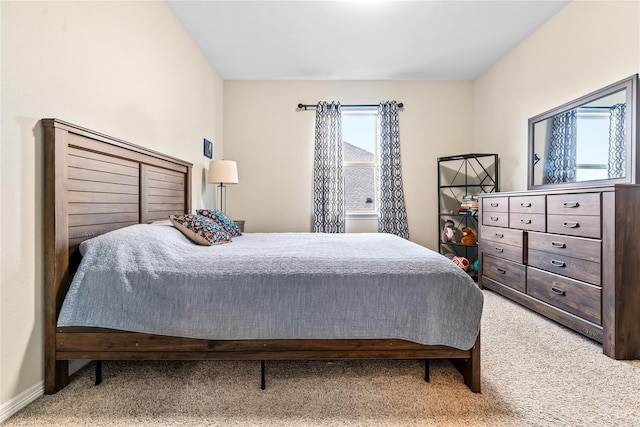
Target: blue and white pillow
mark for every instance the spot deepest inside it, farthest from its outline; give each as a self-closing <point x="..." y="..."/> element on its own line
<point x="222" y="219"/>
<point x="200" y="229"/>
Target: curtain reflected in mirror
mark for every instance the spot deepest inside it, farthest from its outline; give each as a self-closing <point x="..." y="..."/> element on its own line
<point x="617" y="141"/>
<point x="561" y="156"/>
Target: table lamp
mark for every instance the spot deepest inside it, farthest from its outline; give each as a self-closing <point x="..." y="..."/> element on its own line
<point x="222" y="172"/>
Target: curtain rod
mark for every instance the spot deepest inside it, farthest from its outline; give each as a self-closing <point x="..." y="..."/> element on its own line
<point x="305" y="106"/>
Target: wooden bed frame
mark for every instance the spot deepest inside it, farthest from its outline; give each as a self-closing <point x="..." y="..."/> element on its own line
<point x="95" y="184"/>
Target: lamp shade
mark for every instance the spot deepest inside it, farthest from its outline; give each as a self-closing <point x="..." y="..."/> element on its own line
<point x="222" y="172"/>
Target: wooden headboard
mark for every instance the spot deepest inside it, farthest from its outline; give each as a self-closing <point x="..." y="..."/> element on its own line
<point x="94" y="184"/>
<point x="104" y="183"/>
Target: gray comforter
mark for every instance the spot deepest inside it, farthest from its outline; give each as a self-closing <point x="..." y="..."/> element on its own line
<point x="150" y="278"/>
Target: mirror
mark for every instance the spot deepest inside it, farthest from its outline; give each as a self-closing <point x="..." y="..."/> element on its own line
<point x="589" y="141"/>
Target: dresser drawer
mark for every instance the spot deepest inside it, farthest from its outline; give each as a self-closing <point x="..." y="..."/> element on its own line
<point x="575" y="268"/>
<point x="495" y="204"/>
<point x="575" y="247"/>
<point x="500" y="250"/>
<point x="527" y="221"/>
<point x="496" y="219"/>
<point x="570" y="295"/>
<point x="505" y="236"/>
<point x="506" y="272"/>
<point x="527" y="204"/>
<point x="574" y="225"/>
<point x="574" y="204"/>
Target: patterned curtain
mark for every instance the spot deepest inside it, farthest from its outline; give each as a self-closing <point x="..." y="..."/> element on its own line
<point x="617" y="141"/>
<point x="328" y="176"/>
<point x="393" y="212"/>
<point x="560" y="164"/>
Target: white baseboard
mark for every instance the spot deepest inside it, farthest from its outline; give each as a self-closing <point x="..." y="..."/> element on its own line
<point x="9" y="408"/>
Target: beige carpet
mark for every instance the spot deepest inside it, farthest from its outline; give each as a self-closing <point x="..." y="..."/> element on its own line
<point x="535" y="373"/>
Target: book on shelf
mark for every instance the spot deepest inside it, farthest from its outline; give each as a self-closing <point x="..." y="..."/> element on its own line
<point x="469" y="205"/>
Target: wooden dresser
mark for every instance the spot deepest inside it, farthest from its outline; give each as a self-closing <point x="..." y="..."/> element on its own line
<point x="571" y="255"/>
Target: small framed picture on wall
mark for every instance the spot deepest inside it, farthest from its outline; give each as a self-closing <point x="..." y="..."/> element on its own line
<point x="208" y="148"/>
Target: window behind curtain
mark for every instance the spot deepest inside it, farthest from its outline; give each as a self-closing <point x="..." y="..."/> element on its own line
<point x="359" y="133"/>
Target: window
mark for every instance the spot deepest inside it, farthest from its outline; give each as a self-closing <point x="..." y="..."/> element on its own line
<point x="359" y="140"/>
<point x="592" y="157"/>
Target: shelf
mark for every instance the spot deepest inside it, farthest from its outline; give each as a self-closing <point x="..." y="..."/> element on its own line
<point x="475" y="245"/>
<point x="468" y="185"/>
<point x="463" y="157"/>
<point x="460" y="175"/>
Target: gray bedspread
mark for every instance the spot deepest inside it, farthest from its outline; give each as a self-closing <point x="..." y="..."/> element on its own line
<point x="150" y="278"/>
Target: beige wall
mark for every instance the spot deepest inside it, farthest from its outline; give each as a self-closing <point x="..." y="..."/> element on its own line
<point x="587" y="45"/>
<point x="126" y="69"/>
<point x="273" y="145"/>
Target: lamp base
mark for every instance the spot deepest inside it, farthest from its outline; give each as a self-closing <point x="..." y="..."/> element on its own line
<point x="222" y="189"/>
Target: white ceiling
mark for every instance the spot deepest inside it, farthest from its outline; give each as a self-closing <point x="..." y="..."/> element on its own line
<point x="359" y="40"/>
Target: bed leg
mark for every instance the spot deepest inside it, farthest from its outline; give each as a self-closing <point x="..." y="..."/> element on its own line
<point x="262" y="376"/>
<point x="473" y="380"/>
<point x="56" y="375"/>
<point x="470" y="368"/>
<point x="426" y="370"/>
<point x="98" y="372"/>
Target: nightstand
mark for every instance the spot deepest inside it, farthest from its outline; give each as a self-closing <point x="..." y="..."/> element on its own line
<point x="240" y="224"/>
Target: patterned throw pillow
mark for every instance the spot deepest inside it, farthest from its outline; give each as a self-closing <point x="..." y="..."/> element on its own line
<point x="222" y="219"/>
<point x="200" y="230"/>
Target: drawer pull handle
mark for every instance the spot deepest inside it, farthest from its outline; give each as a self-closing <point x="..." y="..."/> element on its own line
<point x="557" y="263"/>
<point x="557" y="291"/>
<point x="570" y="224"/>
<point x="525" y="221"/>
<point x="558" y="245"/>
<point x="499" y="250"/>
<point x="571" y="204"/>
<point x="499" y="235"/>
<point x="495" y="218"/>
<point x="494" y="205"/>
<point x="525" y="205"/>
<point x="501" y="270"/>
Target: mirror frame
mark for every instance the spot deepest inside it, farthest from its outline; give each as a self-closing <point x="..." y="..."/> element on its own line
<point x="631" y="86"/>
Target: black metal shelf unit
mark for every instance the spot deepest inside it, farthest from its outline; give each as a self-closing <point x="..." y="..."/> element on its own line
<point x="459" y="176"/>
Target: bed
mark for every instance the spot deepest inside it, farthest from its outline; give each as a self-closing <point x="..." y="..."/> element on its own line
<point x="100" y="189"/>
